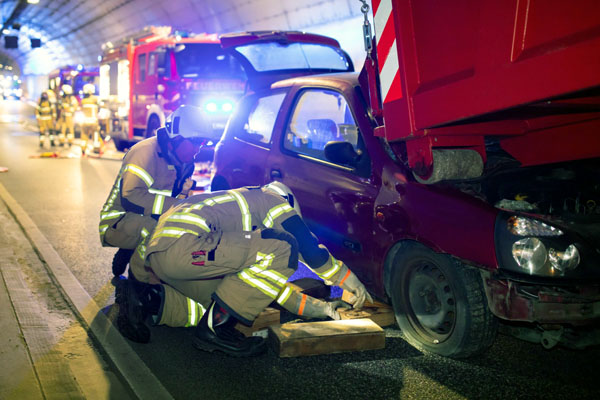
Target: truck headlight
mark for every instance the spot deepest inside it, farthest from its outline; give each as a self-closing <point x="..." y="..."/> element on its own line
<point x="528" y="245"/>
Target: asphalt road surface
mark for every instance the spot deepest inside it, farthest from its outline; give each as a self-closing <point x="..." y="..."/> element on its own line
<point x="63" y="197"/>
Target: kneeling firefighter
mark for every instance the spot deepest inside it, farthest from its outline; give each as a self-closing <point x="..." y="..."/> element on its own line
<point x="154" y="173"/>
<point x="230" y="253"/>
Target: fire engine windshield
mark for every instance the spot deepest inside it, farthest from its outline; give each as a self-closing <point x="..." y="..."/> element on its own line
<point x="273" y="56"/>
<point x="206" y="60"/>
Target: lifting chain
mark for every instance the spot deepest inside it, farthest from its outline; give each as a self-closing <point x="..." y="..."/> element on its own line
<point x="366" y="28"/>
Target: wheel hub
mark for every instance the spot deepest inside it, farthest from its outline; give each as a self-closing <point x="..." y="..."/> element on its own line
<point x="432" y="300"/>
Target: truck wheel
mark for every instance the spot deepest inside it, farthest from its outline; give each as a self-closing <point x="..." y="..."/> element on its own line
<point x="153" y="125"/>
<point x="440" y="304"/>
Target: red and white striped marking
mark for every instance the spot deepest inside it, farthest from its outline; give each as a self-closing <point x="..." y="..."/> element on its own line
<point x="387" y="53"/>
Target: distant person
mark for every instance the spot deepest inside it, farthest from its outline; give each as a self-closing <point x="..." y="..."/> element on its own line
<point x="45" y="115"/>
<point x="67" y="108"/>
<point x="90" y="127"/>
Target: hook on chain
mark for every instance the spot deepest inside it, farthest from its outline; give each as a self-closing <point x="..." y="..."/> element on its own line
<point x="368" y="39"/>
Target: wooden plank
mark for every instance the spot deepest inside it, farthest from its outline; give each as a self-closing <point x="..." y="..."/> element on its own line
<point x="270" y="316"/>
<point x="380" y="313"/>
<point x="326" y="337"/>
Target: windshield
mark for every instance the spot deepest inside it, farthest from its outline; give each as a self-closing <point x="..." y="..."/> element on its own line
<point x="81" y="80"/>
<point x="206" y="60"/>
<point x="273" y="56"/>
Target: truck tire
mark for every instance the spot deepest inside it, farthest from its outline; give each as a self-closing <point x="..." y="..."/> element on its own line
<point x="440" y="304"/>
<point x="153" y="125"/>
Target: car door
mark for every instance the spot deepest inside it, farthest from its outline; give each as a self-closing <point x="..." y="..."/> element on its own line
<point x="336" y="200"/>
<point x="241" y="154"/>
<point x="266" y="57"/>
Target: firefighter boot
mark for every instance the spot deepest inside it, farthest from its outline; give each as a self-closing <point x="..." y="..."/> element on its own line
<point x="120" y="261"/>
<point x="130" y="320"/>
<point x="216" y="331"/>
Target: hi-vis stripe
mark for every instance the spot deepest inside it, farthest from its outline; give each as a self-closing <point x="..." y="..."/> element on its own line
<point x="245" y="210"/>
<point x="141" y="248"/>
<point x="159" y="200"/>
<point x="195" y="312"/>
<point x="189" y="218"/>
<point x="274" y="213"/>
<point x="258" y="276"/>
<point x="140" y="173"/>
<point x="387" y="51"/>
<point x="284" y="295"/>
<point x="335" y="267"/>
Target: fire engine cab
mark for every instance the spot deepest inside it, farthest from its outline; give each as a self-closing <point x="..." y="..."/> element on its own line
<point x="143" y="78"/>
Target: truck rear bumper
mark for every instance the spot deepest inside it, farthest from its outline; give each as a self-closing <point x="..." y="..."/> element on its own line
<point x="517" y="301"/>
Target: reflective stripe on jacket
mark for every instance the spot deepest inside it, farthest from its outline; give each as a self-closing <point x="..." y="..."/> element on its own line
<point x="144" y="185"/>
<point x="238" y="210"/>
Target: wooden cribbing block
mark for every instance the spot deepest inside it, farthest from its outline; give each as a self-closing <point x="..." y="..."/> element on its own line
<point x="380" y="313"/>
<point x="326" y="337"/>
<point x="270" y="316"/>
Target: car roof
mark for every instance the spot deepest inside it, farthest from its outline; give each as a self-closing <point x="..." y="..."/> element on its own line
<point x="340" y="80"/>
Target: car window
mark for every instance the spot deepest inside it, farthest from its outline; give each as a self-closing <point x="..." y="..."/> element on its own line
<point x="152" y="64"/>
<point x="142" y="67"/>
<point x="320" y="116"/>
<point x="258" y="127"/>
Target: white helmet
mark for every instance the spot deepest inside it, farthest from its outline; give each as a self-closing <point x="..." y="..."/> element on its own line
<point x="89" y="88"/>
<point x="67" y="89"/>
<point x="285" y="192"/>
<point x="190" y="122"/>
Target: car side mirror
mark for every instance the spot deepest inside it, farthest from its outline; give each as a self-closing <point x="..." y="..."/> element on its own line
<point x="341" y="153"/>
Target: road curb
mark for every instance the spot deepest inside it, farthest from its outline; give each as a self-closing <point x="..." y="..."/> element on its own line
<point x="137" y="375"/>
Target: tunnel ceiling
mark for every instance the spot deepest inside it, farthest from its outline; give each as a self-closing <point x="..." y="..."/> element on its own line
<point x="72" y="31"/>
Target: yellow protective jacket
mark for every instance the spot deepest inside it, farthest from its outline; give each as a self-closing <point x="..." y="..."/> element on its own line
<point x="44" y="110"/>
<point x="144" y="184"/>
<point x="237" y="210"/>
<point x="68" y="106"/>
<point x="89" y="106"/>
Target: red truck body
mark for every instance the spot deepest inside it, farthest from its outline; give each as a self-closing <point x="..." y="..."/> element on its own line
<point x="463" y="70"/>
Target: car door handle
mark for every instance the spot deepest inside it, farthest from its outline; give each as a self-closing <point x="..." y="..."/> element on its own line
<point x="276" y="174"/>
<point x="352" y="245"/>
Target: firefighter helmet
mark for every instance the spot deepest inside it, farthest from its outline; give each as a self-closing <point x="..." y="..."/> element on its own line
<point x="190" y="123"/>
<point x="89" y="88"/>
<point x="67" y="89"/>
<point x="285" y="192"/>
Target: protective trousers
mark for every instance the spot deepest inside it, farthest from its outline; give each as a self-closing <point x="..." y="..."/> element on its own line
<point x="46" y="126"/>
<point x="68" y="123"/>
<point x="87" y="132"/>
<point x="253" y="270"/>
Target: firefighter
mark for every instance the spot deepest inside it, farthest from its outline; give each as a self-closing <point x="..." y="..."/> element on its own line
<point x="45" y="115"/>
<point x="68" y="106"/>
<point x="153" y="174"/>
<point x="232" y="251"/>
<point x="90" y="127"/>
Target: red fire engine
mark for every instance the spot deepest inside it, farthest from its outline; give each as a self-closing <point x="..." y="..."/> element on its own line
<point x="148" y="75"/>
<point x="76" y="76"/>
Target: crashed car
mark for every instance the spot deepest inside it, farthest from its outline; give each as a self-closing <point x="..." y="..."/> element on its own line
<point x="517" y="247"/>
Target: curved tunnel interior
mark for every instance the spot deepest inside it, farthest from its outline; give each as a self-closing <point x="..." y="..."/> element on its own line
<point x="38" y="36"/>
